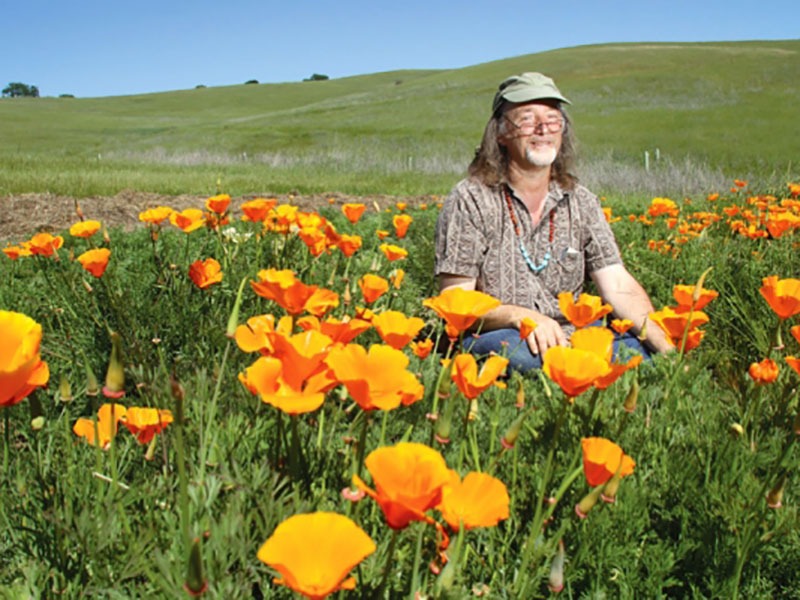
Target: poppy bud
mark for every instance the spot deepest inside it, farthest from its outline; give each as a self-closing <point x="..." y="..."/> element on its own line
<point x="346" y="296"/>
<point x="444" y="423"/>
<point x="233" y="320"/>
<point x="443" y="389"/>
<point x="775" y="495"/>
<point x="556" y="579"/>
<point x="106" y="237"/>
<point x="115" y="375"/>
<point x="64" y="389"/>
<point x="632" y="397"/>
<point x="37" y="423"/>
<point x="195" y="584"/>
<point x="512" y="433"/>
<point x="520" y="394"/>
<point x="583" y="507"/>
<point x="151" y="449"/>
<point x="736" y="430"/>
<point x="472" y="415"/>
<point x="612" y="485"/>
<point x="92" y="386"/>
<point x="87" y="286"/>
<point x="643" y="331"/>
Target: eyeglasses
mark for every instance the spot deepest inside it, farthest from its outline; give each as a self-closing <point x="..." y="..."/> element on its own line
<point x="530" y="125"/>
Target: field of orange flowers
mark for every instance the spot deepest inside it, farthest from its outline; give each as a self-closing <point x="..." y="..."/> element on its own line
<point x="244" y="399"/>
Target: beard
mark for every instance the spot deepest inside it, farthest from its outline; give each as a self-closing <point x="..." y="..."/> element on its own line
<point x="542" y="157"/>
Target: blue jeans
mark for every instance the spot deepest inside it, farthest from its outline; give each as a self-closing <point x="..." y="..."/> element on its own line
<point x="506" y="342"/>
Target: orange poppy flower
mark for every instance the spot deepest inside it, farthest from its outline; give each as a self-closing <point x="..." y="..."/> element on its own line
<point x="205" y="273"/>
<point x="793" y="362"/>
<point x="408" y="480"/>
<point x="396" y="277"/>
<point x="314" y="239"/>
<point x="266" y="378"/>
<point x="95" y="261"/>
<point x="257" y="210"/>
<point x="392" y="252"/>
<point x="460" y="308"/>
<point x="21" y="367"/>
<point x="188" y="220"/>
<point x="283" y="287"/>
<point x="674" y="321"/>
<point x="15" y="252"/>
<point x="382" y="234"/>
<point x="145" y="423"/>
<point x="526" y="327"/>
<point x="340" y="332"/>
<point x="662" y="206"/>
<point x="314" y="552"/>
<point x="601" y="341"/>
<point x="685" y="296"/>
<point x="372" y="287"/>
<point x="574" y="370"/>
<point x="603" y="458"/>
<point x="44" y="244"/>
<point x="108" y="418"/>
<point x="401" y="223"/>
<point x="740" y="183"/>
<point x="469" y="381"/>
<point x="252" y="336"/>
<point x="377" y="379"/>
<point x="586" y="310"/>
<point x="479" y="500"/>
<point x="349" y="244"/>
<point x="353" y="211"/>
<point x="155" y="216"/>
<point x="795" y="331"/>
<point x="218" y="204"/>
<point x="765" y="371"/>
<point x="401" y="206"/>
<point x="303" y="354"/>
<point x="396" y="329"/>
<point x="84" y="229"/>
<point x="422" y="349"/>
<point x="321" y="301"/>
<point x="594" y="339"/>
<point x="621" y="326"/>
<point x="782" y="295"/>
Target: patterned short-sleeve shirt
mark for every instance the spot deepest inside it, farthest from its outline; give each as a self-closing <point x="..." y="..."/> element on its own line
<point x="475" y="237"/>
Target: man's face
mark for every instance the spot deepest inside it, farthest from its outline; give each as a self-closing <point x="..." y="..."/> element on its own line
<point x="532" y="133"/>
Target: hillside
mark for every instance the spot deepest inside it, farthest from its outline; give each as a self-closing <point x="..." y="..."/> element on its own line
<point x="722" y="108"/>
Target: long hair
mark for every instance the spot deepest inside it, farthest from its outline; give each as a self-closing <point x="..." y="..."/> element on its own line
<point x="490" y="165"/>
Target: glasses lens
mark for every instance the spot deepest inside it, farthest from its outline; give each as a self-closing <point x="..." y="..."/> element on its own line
<point x="528" y="126"/>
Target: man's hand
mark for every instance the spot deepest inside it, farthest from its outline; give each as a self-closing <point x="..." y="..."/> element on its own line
<point x="548" y="334"/>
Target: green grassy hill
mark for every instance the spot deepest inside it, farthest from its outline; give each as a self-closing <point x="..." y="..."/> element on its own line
<point x="726" y="109"/>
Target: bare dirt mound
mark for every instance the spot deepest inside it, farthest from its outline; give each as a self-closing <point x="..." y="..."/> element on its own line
<point x="23" y="215"/>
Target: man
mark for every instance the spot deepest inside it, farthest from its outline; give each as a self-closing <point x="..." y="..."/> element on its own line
<point x="520" y="228"/>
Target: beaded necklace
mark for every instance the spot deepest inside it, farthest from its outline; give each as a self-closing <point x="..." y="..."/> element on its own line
<point x="523" y="250"/>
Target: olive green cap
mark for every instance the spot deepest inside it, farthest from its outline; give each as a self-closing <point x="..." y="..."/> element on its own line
<point x="526" y="87"/>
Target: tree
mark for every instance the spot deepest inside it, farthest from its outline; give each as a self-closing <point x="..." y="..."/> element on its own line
<point x="17" y="89"/>
<point x="317" y="77"/>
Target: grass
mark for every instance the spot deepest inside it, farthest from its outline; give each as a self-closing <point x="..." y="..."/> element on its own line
<point x="720" y="106"/>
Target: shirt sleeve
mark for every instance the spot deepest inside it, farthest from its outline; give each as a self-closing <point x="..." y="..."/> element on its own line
<point x="461" y="241"/>
<point x="599" y="244"/>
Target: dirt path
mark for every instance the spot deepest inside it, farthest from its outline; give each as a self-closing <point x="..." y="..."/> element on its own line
<point x="23" y="215"/>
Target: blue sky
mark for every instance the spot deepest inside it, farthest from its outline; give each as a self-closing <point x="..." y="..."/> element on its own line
<point x="107" y="48"/>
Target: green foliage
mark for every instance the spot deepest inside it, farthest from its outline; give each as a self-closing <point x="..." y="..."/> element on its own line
<point x="20" y="90"/>
<point x="371" y="134"/>
<point x="691" y="521"/>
